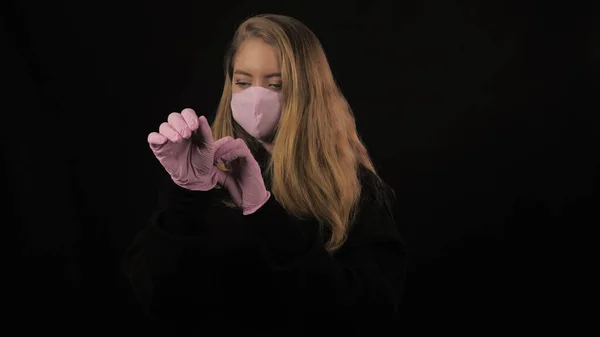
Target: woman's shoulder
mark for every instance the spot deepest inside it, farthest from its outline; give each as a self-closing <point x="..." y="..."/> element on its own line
<point x="374" y="219"/>
<point x="374" y="189"/>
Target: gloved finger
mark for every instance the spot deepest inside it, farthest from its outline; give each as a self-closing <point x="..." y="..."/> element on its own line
<point x="156" y="139"/>
<point x="220" y="142"/>
<point x="190" y="118"/>
<point x="204" y="132"/>
<point x="242" y="144"/>
<point x="178" y="123"/>
<point x="237" y="143"/>
<point x="236" y="153"/>
<point x="234" y="190"/>
<point x="224" y="147"/>
<point x="167" y="130"/>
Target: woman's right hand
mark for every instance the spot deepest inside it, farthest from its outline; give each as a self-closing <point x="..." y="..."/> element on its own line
<point x="184" y="146"/>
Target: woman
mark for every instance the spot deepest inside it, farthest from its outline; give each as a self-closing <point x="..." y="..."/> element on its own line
<point x="281" y="225"/>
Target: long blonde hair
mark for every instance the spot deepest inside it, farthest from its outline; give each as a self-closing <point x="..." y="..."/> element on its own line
<point x="316" y="150"/>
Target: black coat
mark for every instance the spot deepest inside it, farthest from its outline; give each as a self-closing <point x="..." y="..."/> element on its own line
<point x="202" y="267"/>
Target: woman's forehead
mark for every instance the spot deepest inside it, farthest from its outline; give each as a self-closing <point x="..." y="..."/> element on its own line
<point x="257" y="58"/>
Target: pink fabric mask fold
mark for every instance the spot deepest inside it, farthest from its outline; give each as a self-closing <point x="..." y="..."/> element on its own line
<point x="257" y="110"/>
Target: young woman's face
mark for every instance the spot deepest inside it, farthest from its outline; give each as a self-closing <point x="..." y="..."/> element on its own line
<point x="256" y="64"/>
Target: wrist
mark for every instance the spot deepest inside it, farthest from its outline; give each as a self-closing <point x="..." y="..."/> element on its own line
<point x="256" y="207"/>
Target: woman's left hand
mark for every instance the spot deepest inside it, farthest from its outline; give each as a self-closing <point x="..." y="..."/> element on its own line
<point x="244" y="178"/>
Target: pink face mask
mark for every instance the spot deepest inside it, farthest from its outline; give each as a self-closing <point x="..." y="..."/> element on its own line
<point x="257" y="110"/>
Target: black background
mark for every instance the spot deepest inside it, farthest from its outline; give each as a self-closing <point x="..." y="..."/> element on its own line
<point x="481" y="114"/>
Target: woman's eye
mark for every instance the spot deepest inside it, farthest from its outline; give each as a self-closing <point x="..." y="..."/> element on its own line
<point x="276" y="86"/>
<point x="242" y="84"/>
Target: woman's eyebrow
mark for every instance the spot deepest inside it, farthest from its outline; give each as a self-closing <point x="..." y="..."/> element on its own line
<point x="245" y="73"/>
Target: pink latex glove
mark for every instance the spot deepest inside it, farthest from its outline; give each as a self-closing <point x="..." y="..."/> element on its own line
<point x="185" y="148"/>
<point x="250" y="191"/>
